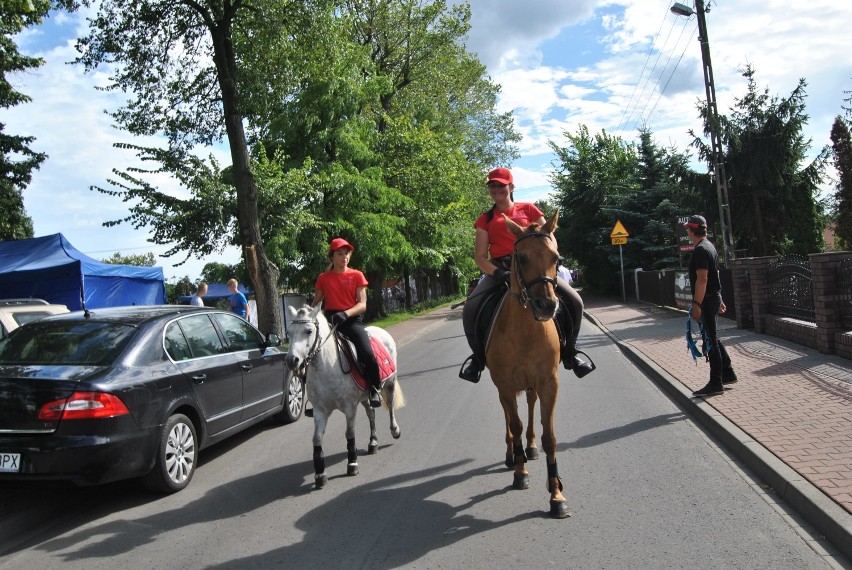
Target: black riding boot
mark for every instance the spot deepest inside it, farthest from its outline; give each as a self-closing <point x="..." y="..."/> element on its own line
<point x="376" y="396"/>
<point x="572" y="361"/>
<point x="473" y="370"/>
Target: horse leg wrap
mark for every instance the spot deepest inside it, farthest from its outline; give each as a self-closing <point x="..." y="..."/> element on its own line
<point x="319" y="460"/>
<point x="553" y="471"/>
<point x="519" y="453"/>
<point x="351" y="452"/>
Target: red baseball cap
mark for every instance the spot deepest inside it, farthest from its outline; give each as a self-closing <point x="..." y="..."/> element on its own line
<point x="501" y="175"/>
<point x="337" y="243"/>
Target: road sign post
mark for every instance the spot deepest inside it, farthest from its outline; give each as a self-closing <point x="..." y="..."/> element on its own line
<point x="619" y="237"/>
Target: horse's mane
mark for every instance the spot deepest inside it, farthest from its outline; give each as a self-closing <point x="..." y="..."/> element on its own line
<point x="534" y="227"/>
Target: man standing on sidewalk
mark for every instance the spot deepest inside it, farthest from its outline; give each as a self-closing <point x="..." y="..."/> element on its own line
<point x="707" y="303"/>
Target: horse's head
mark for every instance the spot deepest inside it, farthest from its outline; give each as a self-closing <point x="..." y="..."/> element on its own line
<point x="304" y="331"/>
<point x="534" y="264"/>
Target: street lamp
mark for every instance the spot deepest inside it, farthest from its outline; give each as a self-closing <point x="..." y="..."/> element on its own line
<point x="713" y="123"/>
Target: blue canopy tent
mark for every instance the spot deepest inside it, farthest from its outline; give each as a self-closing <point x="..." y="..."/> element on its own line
<point x="51" y="268"/>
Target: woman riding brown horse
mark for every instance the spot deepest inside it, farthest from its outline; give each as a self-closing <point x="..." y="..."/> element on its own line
<point x="523" y="350"/>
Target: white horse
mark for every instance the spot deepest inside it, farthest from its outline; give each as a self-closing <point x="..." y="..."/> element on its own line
<point x="313" y="352"/>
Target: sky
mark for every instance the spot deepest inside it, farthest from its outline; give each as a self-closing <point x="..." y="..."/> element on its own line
<point x="613" y="65"/>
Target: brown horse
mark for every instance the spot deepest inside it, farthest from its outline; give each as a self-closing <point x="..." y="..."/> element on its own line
<point x="523" y="352"/>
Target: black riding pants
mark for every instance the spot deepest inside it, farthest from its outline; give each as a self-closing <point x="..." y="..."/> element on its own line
<point x="568" y="297"/>
<point x="353" y="329"/>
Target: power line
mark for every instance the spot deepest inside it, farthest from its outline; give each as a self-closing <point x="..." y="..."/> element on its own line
<point x="663" y="72"/>
<point x="663" y="90"/>
<point x="648" y="58"/>
<point x="648" y="79"/>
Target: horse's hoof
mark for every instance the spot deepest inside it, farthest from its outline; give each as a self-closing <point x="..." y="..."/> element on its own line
<point x="521" y="482"/>
<point x="320" y="481"/>
<point x="352" y="469"/>
<point x="373" y="449"/>
<point x="532" y="453"/>
<point x="510" y="461"/>
<point x="396" y="433"/>
<point x="559" y="509"/>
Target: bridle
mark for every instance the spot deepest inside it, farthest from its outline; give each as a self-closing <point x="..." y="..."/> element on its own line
<point x="525" y="298"/>
<point x="315" y="349"/>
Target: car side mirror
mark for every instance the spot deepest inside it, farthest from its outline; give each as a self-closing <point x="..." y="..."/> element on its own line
<point x="273" y="339"/>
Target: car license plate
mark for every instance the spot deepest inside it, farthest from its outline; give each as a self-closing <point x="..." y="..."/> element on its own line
<point x="10" y="462"/>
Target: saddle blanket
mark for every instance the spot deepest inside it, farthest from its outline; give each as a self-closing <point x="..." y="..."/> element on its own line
<point x="386" y="364"/>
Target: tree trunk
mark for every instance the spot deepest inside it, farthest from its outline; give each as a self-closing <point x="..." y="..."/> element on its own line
<point x="406" y="287"/>
<point x="375" y="306"/>
<point x="264" y="273"/>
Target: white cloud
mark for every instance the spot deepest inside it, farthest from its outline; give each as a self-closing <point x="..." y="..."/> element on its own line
<point x="509" y="32"/>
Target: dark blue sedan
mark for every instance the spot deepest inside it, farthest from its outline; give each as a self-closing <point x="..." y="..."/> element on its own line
<point x="109" y="394"/>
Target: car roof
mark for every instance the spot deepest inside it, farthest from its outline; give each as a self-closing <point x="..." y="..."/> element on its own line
<point x="132" y="315"/>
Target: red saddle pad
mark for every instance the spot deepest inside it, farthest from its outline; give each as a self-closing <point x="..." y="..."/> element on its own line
<point x="386" y="364"/>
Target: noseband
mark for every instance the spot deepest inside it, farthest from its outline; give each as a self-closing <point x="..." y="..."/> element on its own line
<point x="524" y="298"/>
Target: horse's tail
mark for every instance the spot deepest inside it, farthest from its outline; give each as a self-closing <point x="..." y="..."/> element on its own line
<point x="398" y="396"/>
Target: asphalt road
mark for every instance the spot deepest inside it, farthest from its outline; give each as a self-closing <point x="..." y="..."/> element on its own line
<point x="647" y="488"/>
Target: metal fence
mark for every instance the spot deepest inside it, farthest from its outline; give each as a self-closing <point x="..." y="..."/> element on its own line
<point x="791" y="292"/>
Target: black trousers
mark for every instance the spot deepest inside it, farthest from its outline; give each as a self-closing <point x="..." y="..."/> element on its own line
<point x="719" y="359"/>
<point x="353" y="329"/>
<point x="569" y="300"/>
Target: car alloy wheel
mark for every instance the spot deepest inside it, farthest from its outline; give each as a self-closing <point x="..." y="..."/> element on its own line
<point x="294" y="399"/>
<point x="175" y="463"/>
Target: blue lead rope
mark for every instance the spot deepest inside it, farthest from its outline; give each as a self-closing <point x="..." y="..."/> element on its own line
<point x="691" y="345"/>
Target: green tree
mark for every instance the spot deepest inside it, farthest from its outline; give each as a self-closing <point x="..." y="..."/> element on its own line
<point x="592" y="177"/>
<point x="138" y="259"/>
<point x="665" y="188"/>
<point x="841" y="143"/>
<point x="180" y="288"/>
<point x="17" y="159"/>
<point x="395" y="126"/>
<point x="183" y="63"/>
<point x="215" y="272"/>
<point x="773" y="189"/>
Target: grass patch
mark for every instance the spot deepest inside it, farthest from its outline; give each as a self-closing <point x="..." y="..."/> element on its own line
<point x="418" y="309"/>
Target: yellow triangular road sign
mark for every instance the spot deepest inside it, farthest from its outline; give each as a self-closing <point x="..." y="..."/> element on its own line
<point x="619" y="230"/>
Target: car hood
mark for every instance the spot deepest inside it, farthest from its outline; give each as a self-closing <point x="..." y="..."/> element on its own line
<point x="25" y="389"/>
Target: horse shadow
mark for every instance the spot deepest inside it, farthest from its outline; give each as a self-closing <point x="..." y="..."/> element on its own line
<point x="619" y="432"/>
<point x="424" y="524"/>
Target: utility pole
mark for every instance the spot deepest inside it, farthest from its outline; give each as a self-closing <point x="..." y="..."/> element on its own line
<point x="718" y="156"/>
<point x="715" y="136"/>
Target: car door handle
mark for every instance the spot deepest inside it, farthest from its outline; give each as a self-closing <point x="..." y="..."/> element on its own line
<point x="246" y="367"/>
<point x="199" y="378"/>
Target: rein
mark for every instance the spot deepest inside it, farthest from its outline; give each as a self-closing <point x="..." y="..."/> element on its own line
<point x="524" y="298"/>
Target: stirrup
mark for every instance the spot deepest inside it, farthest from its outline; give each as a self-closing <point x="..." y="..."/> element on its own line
<point x="588" y="367"/>
<point x="374" y="397"/>
<point x="467" y="372"/>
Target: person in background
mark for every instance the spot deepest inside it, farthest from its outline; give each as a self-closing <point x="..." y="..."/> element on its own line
<point x="238" y="302"/>
<point x="197" y="298"/>
<point x="706" y="304"/>
<point x="343" y="292"/>
<point x="493" y="248"/>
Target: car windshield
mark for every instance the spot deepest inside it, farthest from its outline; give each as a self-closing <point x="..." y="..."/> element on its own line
<point x="67" y="342"/>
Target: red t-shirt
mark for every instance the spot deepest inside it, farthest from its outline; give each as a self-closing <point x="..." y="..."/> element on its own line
<point x="340" y="289"/>
<point x="501" y="241"/>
